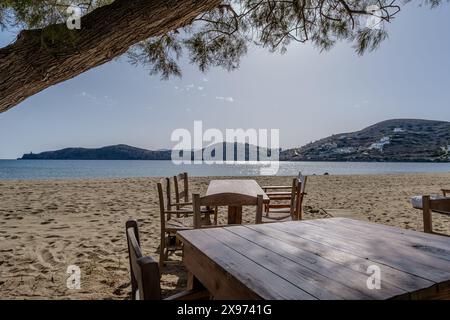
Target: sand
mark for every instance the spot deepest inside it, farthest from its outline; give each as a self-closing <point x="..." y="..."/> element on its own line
<point x="45" y="226"/>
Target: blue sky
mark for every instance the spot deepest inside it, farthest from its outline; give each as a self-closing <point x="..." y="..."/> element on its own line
<point x="306" y="94"/>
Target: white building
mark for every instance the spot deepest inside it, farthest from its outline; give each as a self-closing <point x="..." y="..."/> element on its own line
<point x="380" y="144"/>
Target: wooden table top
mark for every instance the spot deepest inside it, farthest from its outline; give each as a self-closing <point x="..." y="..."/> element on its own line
<point x="317" y="259"/>
<point x="236" y="187"/>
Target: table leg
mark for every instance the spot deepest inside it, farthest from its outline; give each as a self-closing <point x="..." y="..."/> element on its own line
<point x="234" y="215"/>
<point x="193" y="283"/>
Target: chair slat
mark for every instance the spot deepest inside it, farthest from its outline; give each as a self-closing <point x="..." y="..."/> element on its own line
<point x="295" y="197"/>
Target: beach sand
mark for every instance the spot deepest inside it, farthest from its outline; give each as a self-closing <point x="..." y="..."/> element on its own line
<point x="45" y="226"/>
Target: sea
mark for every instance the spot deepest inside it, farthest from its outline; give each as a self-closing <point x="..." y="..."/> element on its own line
<point x="105" y="169"/>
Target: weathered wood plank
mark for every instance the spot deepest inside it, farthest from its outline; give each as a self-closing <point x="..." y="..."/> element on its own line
<point x="439" y="241"/>
<point x="305" y="279"/>
<point x="384" y="253"/>
<point x="425" y="246"/>
<point x="397" y="278"/>
<point x="412" y="251"/>
<point x="215" y="279"/>
<point x="329" y="269"/>
<point x="223" y="271"/>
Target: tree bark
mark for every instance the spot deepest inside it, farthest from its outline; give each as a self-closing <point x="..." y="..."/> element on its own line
<point x="26" y="67"/>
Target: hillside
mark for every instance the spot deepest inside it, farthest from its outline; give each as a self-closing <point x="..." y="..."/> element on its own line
<point x="391" y="140"/>
<point x="124" y="152"/>
<point x="117" y="152"/>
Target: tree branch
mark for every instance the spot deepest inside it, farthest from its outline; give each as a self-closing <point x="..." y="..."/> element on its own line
<point x="107" y="32"/>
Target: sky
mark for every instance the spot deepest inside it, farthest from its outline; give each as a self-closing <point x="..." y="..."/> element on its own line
<point x="305" y="94"/>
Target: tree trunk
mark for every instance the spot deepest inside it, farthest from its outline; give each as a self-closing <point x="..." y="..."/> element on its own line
<point x="26" y="67"/>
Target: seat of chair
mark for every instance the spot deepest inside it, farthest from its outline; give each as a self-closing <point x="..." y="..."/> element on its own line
<point x="275" y="187"/>
<point x="271" y="220"/>
<point x="183" y="223"/>
<point x="185" y="210"/>
<point x="178" y="224"/>
<point x="279" y="193"/>
<point x="278" y="214"/>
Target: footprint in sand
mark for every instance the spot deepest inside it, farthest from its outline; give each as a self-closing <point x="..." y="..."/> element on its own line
<point x="47" y="258"/>
<point x="60" y="227"/>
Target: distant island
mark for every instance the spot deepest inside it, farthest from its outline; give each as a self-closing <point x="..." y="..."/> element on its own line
<point x="409" y="140"/>
<point x="117" y="152"/>
<point x="124" y="152"/>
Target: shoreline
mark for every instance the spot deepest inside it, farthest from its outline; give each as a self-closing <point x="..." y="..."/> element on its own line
<point x="280" y="160"/>
<point x="106" y="179"/>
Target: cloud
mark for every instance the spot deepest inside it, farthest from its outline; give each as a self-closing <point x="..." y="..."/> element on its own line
<point x="104" y="100"/>
<point x="363" y="104"/>
<point x="187" y="88"/>
<point x="88" y="95"/>
<point x="227" y="99"/>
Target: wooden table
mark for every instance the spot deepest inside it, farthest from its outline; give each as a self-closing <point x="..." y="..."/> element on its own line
<point x="317" y="259"/>
<point x="231" y="190"/>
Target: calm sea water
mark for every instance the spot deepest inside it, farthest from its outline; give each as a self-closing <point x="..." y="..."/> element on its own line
<point x="82" y="169"/>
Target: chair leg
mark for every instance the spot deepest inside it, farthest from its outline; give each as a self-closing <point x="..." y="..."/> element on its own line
<point x="166" y="253"/>
<point x="215" y="215"/>
<point x="162" y="249"/>
<point x="207" y="216"/>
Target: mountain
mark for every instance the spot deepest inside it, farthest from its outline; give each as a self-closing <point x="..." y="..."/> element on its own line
<point x="125" y="152"/>
<point x="117" y="152"/>
<point x="391" y="140"/>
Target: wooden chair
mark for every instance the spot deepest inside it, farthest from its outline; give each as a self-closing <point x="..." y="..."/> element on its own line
<point x="221" y="200"/>
<point x="287" y="203"/>
<point x="172" y="221"/>
<point x="144" y="272"/>
<point x="181" y="194"/>
<point x="181" y="186"/>
<point x="429" y="206"/>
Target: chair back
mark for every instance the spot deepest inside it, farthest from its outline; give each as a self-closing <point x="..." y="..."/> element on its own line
<point x="295" y="197"/>
<point x="225" y="199"/>
<point x="165" y="203"/>
<point x="291" y="199"/>
<point x="181" y="184"/>
<point x="144" y="271"/>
